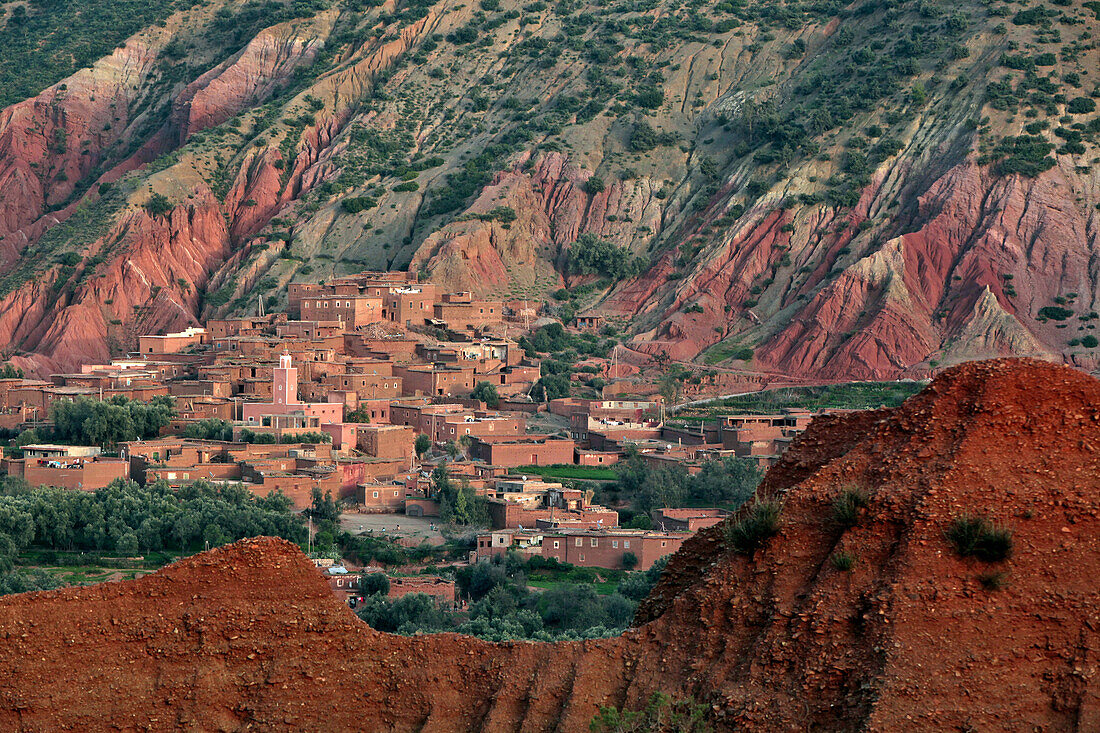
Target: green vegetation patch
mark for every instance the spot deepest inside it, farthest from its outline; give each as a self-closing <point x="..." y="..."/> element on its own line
<point x="848" y="396"/>
<point x="564" y="470"/>
<point x="45" y="41"/>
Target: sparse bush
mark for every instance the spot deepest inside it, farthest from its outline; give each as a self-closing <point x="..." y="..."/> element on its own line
<point x="843" y="561"/>
<point x="846" y="507"/>
<point x="661" y="713"/>
<point x="977" y="537"/>
<point x="993" y="580"/>
<point x="752" y="530"/>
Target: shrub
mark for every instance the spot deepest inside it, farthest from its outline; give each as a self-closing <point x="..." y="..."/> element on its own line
<point x="650" y="97"/>
<point x="1080" y="106"/>
<point x="358" y="203"/>
<point x="158" y="205"/>
<point x="754" y="528"/>
<point x="846" y="507"/>
<point x="977" y="537"/>
<point x="1090" y="342"/>
<point x="594" y="185"/>
<point x="644" y="138"/>
<point x="993" y="580"/>
<point x="843" y="561"/>
<point x="630" y="561"/>
<point x="590" y="255"/>
<point x="1055" y="312"/>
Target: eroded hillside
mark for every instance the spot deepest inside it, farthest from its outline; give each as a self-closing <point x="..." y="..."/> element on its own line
<point x="773" y="634"/>
<point x="860" y="190"/>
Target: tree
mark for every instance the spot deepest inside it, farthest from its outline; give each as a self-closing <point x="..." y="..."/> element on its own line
<point x="551" y="387"/>
<point x="210" y="429"/>
<point x="423" y="444"/>
<point x="591" y="255"/>
<point x="594" y="185"/>
<point x="630" y="561"/>
<point x="323" y="509"/>
<point x="158" y="205"/>
<point x="460" y="512"/>
<point x="110" y="422"/>
<point x="487" y="393"/>
<point x="374" y="584"/>
<point x="671" y="385"/>
<point x="128" y="544"/>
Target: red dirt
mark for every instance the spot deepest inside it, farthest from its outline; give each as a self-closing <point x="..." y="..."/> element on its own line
<point x="907" y="640"/>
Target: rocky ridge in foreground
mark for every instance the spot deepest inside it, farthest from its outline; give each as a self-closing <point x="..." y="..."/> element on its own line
<point x="912" y="636"/>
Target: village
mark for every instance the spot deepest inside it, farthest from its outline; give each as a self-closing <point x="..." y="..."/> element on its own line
<point x="393" y="401"/>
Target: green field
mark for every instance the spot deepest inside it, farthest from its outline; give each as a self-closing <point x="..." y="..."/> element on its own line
<point x="849" y="396"/>
<point x="604" y="589"/>
<point x="566" y="470"/>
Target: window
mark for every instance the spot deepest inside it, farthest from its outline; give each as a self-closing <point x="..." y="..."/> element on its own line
<point x="556" y="544"/>
<point x="615" y="544"/>
<point x="626" y="544"/>
<point x="376" y="495"/>
<point x="395" y="493"/>
<point x="662" y="543"/>
<point x="595" y="542"/>
<point x="500" y="540"/>
<point x="582" y="557"/>
<point x="580" y="542"/>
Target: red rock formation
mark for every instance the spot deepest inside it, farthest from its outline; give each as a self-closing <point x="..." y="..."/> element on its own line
<point x="984" y="254"/>
<point x="908" y="639"/>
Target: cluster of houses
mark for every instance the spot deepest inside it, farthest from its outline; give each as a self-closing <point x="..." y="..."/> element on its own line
<point x="333" y="394"/>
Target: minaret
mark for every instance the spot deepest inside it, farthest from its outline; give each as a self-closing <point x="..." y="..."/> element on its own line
<point x="284" y="391"/>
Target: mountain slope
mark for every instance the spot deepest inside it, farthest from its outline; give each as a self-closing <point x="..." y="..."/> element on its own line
<point x="854" y="191"/>
<point x="910" y="636"/>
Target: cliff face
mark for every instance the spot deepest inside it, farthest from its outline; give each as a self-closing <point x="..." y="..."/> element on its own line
<point x="908" y="638"/>
<point x="853" y="192"/>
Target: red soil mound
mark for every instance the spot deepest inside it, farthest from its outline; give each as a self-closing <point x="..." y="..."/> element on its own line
<point x="908" y="639"/>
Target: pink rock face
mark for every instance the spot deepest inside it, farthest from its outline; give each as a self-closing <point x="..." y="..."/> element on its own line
<point x="50" y="143"/>
<point x="144" y="286"/>
<point x="967" y="281"/>
<point x="154" y="268"/>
